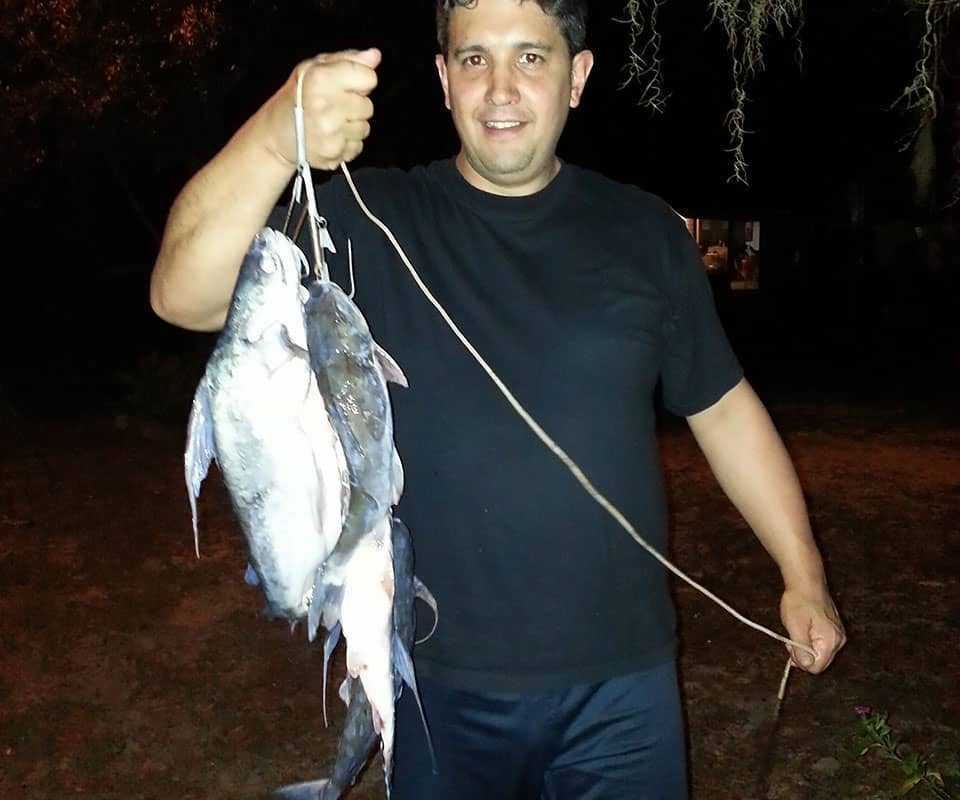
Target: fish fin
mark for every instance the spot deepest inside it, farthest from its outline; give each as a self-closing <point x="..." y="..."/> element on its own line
<point x="315" y="610"/>
<point x="332" y="638"/>
<point x="396" y="479"/>
<point x="420" y="590"/>
<point x="344" y="692"/>
<point x="325" y="596"/>
<point x="308" y="790"/>
<point x="200" y="451"/>
<point x="250" y="576"/>
<point x="403" y="664"/>
<point x="297" y="348"/>
<point x="391" y="369"/>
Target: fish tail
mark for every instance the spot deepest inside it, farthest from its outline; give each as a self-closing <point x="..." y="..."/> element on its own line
<point x="403" y="664"/>
<point x="308" y="790"/>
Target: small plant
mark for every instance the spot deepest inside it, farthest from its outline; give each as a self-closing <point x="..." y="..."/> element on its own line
<point x="876" y="733"/>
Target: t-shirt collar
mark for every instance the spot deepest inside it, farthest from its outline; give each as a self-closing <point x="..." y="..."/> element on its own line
<point x="485" y="203"/>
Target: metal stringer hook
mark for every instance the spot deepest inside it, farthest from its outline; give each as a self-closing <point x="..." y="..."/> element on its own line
<point x="319" y="237"/>
<point x="353" y="283"/>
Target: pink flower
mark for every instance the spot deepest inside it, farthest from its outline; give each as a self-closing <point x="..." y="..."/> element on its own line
<point x="862" y="710"/>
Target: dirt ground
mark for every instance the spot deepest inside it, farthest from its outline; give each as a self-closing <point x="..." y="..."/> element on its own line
<point x="130" y="669"/>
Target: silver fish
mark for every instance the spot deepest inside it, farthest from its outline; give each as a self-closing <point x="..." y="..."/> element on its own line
<point x="258" y="411"/>
<point x="352" y="372"/>
<point x="359" y="737"/>
<point x="354" y="588"/>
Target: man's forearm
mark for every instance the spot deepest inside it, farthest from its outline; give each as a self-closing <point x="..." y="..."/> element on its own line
<point x="210" y="227"/>
<point x="754" y="469"/>
<point x="222" y="207"/>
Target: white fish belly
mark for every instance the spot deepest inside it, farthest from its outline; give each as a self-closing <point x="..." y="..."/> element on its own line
<point x="291" y="486"/>
<point x="366" y="616"/>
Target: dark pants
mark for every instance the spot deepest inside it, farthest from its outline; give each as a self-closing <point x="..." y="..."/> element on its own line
<point x="621" y="739"/>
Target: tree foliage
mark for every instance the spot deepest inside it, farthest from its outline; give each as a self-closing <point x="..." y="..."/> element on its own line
<point x="747" y="24"/>
<point x="71" y="63"/>
<point x="79" y="76"/>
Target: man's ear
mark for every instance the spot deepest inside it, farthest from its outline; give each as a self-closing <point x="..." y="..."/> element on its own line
<point x="579" y="72"/>
<point x="442" y="72"/>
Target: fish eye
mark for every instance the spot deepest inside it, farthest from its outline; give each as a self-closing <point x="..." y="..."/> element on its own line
<point x="269" y="265"/>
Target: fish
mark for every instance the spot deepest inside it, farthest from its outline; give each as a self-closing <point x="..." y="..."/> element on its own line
<point x="352" y="371"/>
<point x="359" y="737"/>
<point x="353" y="589"/>
<point x="294" y="409"/>
<point x="259" y="414"/>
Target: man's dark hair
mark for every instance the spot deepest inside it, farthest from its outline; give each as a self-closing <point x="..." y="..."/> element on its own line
<point x="571" y="16"/>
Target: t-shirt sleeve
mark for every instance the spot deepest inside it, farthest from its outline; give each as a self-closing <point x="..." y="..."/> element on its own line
<point x="699" y="365"/>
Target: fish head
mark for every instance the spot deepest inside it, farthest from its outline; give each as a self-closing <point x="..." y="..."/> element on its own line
<point x="269" y="291"/>
<point x="337" y="325"/>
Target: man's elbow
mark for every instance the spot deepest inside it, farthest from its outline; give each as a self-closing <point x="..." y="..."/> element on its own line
<point x="162" y="304"/>
<point x="169" y="307"/>
<point x="157" y="301"/>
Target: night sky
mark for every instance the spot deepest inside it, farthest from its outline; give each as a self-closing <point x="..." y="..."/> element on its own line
<point x="83" y="222"/>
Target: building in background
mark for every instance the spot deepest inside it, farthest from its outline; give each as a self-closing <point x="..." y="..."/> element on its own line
<point x="730" y="250"/>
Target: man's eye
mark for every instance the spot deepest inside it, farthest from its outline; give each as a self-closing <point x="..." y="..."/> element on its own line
<point x="531" y="58"/>
<point x="473" y="61"/>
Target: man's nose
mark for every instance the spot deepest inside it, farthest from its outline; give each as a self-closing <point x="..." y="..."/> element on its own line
<point x="502" y="90"/>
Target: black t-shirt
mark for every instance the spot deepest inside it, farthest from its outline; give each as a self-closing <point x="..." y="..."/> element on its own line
<point x="581" y="297"/>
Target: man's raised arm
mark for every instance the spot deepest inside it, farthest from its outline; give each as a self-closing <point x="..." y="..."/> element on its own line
<point x="221" y="208"/>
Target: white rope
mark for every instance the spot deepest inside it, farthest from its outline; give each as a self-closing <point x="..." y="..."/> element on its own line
<point x="304" y="180"/>
<point x="554" y="447"/>
<point x="782" y="691"/>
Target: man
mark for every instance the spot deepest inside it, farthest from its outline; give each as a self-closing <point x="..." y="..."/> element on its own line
<point x="552" y="672"/>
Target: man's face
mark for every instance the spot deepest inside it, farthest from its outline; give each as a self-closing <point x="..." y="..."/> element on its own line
<point x="509" y="83"/>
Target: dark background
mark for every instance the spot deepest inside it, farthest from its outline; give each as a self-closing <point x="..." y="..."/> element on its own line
<point x="131" y="669"/>
<point x="115" y="105"/>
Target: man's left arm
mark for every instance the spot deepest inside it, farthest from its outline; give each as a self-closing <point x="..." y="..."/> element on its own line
<point x="752" y="466"/>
